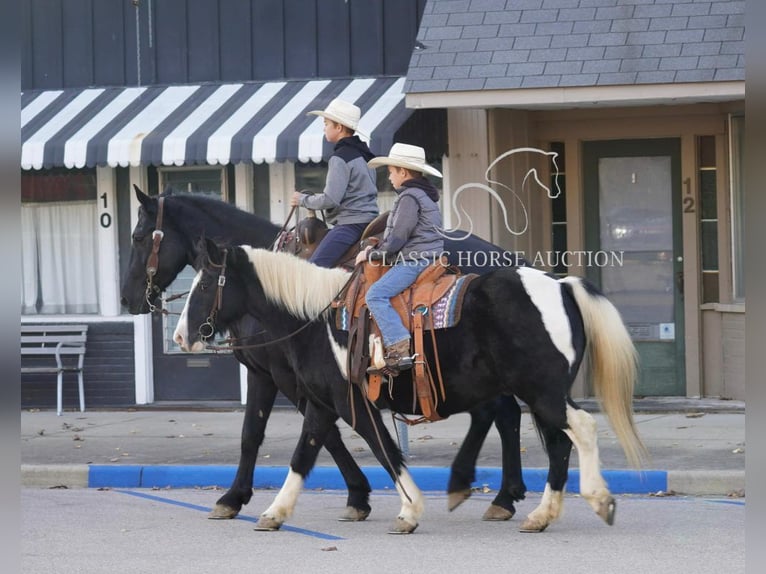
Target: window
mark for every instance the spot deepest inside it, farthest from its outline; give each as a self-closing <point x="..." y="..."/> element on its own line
<point x="204" y="180"/>
<point x="736" y="161"/>
<point x="708" y="194"/>
<point x="311" y="177"/>
<point x="59" y="272"/>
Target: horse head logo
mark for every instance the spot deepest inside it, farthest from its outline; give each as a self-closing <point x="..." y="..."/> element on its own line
<point x="532" y="172"/>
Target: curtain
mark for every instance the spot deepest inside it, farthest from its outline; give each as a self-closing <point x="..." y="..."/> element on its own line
<point x="29" y="283"/>
<point x="65" y="260"/>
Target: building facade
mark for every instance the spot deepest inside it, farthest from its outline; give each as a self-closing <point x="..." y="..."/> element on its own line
<point x="642" y="103"/>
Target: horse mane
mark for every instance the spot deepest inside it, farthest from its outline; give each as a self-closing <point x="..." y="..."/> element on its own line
<point x="198" y="215"/>
<point x="301" y="288"/>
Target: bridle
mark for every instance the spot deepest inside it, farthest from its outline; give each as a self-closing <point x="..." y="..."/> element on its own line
<point x="207" y="329"/>
<point x="152" y="262"/>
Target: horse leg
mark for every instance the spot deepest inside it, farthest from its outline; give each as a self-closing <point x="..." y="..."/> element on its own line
<point x="261" y="393"/>
<point x="369" y="425"/>
<point x="317" y="422"/>
<point x="512" y="487"/>
<point x="559" y="448"/>
<point x="463" y="470"/>
<point x="358" y="502"/>
<point x="593" y="488"/>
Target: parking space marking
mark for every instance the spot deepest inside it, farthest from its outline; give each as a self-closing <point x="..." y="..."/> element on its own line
<point x="305" y="532"/>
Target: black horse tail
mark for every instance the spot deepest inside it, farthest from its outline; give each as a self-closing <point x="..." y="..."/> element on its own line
<point x="614" y="362"/>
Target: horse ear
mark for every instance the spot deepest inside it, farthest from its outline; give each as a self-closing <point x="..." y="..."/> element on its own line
<point x="143" y="198"/>
<point x="208" y="249"/>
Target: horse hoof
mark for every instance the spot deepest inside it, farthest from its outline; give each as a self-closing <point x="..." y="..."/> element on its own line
<point x="532" y="526"/>
<point x="352" y="514"/>
<point x="455" y="499"/>
<point x="401" y="526"/>
<point x="222" y="512"/>
<point x="267" y="524"/>
<point x="497" y="513"/>
<point x="607" y="509"/>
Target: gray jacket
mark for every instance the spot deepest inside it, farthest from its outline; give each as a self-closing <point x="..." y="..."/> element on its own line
<point x="350" y="194"/>
<point x="412" y="227"/>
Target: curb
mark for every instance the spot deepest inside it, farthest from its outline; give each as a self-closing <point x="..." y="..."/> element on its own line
<point x="698" y="482"/>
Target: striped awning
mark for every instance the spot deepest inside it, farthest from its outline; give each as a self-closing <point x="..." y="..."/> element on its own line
<point x="200" y="124"/>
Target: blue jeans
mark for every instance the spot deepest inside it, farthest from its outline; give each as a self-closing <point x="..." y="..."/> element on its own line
<point x="336" y="243"/>
<point x="396" y="280"/>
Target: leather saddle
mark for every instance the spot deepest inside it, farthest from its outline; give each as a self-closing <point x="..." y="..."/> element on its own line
<point x="303" y="239"/>
<point x="414" y="306"/>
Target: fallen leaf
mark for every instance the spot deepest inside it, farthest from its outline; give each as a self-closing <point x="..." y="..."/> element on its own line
<point x="41" y="432"/>
<point x="329" y="549"/>
<point x="523" y="449"/>
<point x="694" y="415"/>
<point x="425" y="437"/>
<point x="77" y="437"/>
<point x="738" y="450"/>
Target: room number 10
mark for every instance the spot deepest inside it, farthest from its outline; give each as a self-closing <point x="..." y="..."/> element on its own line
<point x="105" y="219"/>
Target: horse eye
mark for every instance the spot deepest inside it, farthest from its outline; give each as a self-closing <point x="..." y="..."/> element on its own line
<point x="138" y="238"/>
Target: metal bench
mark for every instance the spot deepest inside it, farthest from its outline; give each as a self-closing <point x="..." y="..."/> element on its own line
<point x="65" y="344"/>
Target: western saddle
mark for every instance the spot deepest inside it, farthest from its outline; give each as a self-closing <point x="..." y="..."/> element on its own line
<point x="414" y="308"/>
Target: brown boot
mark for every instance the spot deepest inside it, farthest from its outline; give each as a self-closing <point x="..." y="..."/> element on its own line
<point x="398" y="358"/>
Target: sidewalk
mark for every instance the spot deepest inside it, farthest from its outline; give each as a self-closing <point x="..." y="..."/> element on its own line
<point x="697" y="447"/>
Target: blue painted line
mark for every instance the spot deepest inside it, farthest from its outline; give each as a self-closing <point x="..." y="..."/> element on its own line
<point x="734" y="502"/>
<point x="252" y="519"/>
<point x="329" y="478"/>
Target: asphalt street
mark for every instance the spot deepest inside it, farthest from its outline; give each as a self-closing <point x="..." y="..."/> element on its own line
<point x="127" y="531"/>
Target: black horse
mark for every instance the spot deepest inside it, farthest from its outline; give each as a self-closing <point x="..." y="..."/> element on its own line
<point x="184" y="219"/>
<point x="522" y="332"/>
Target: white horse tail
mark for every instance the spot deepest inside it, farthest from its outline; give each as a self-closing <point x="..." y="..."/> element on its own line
<point x="613" y="362"/>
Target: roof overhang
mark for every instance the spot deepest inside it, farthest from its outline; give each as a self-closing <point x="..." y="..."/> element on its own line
<point x="582" y="96"/>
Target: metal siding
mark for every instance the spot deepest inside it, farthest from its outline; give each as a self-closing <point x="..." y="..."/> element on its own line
<point x="108" y="373"/>
<point x="132" y="55"/>
<point x="171" y="42"/>
<point x="108" y="44"/>
<point x="399" y="31"/>
<point x="27" y="79"/>
<point x="300" y="39"/>
<point x="333" y="39"/>
<point x="47" y="59"/>
<point x="366" y="25"/>
<point x="77" y="23"/>
<point x="268" y="40"/>
<point x="204" y="41"/>
<point x="236" y="41"/>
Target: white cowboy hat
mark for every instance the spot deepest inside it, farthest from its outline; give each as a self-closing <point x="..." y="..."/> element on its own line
<point x="408" y="156"/>
<point x="341" y="111"/>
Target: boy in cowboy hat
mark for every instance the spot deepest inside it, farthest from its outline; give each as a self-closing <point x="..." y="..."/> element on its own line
<point x="350" y="192"/>
<point x="411" y="242"/>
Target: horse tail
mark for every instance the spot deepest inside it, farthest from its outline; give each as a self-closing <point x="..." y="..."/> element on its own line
<point x="613" y="362"/>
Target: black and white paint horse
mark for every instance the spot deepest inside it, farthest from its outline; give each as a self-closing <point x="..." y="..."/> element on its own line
<point x="521" y="332"/>
<point x="185" y="219"/>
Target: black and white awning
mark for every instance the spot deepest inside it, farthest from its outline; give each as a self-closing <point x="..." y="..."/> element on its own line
<point x="200" y="124"/>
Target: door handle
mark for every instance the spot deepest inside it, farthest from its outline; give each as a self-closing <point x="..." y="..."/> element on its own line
<point x="680" y="282"/>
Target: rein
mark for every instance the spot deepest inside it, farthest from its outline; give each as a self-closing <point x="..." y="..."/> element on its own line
<point x="230" y="347"/>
